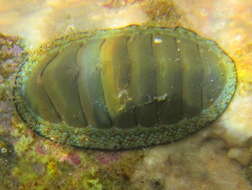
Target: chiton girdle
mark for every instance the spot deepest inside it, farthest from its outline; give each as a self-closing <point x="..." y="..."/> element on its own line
<point x="120" y="77"/>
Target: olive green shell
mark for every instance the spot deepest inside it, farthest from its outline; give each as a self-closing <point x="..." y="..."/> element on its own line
<point x="124" y="88"/>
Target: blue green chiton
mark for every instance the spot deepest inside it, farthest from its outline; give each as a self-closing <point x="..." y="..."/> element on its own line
<point x="124" y="88"/>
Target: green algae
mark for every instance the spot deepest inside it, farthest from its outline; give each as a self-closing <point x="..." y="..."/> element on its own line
<point x="47" y="170"/>
<point x="55" y="175"/>
<point x="23" y="144"/>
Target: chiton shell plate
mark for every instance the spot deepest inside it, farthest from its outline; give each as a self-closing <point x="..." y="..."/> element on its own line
<point x="124" y="88"/>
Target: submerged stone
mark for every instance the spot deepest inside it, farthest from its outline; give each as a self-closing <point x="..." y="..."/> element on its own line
<point x="124" y="88"/>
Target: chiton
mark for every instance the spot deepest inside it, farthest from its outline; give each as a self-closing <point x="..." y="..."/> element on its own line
<point x="124" y="88"/>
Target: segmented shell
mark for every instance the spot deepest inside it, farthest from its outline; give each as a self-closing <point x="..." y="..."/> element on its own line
<point x="125" y="88"/>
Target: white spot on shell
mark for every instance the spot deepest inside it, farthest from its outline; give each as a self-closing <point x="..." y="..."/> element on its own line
<point x="157" y="40"/>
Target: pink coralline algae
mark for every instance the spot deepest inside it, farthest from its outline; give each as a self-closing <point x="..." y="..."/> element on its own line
<point x="107" y="158"/>
<point x="7" y="47"/>
<point x="40" y="149"/>
<point x="14" y="51"/>
<point x="71" y="158"/>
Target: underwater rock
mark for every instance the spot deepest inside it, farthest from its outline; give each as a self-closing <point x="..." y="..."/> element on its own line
<point x="124" y="88"/>
<point x="7" y="155"/>
<point x="10" y="55"/>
